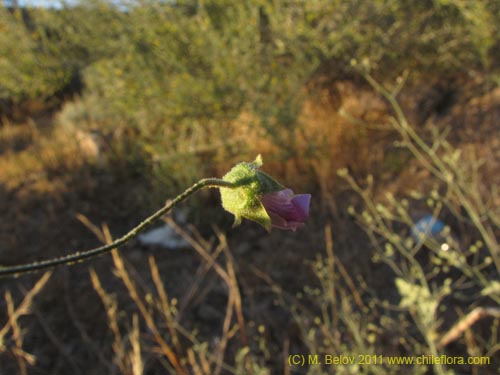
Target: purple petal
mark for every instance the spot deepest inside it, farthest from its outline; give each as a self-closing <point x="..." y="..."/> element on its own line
<point x="286" y="210"/>
<point x="301" y="203"/>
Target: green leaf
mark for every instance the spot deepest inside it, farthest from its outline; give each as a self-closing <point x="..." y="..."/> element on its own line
<point x="244" y="200"/>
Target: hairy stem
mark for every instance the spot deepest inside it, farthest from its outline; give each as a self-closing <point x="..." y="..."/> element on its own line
<point x="82" y="255"/>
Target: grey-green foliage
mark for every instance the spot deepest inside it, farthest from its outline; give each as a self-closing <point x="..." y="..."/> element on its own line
<point x="199" y="64"/>
<point x="218" y="55"/>
<point x="27" y="67"/>
<point x="432" y="279"/>
<point x="347" y="317"/>
<point x="42" y="50"/>
<point x="179" y="73"/>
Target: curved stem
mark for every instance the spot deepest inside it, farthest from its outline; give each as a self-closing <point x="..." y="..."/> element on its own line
<point x="80" y="256"/>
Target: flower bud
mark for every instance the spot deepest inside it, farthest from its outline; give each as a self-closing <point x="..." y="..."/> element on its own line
<point x="260" y="198"/>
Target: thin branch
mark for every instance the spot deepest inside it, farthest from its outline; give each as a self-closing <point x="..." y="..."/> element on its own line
<point x="80" y="256"/>
<point x="464" y="324"/>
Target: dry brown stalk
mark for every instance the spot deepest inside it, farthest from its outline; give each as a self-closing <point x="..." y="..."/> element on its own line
<point x="92" y="345"/>
<point x="134" y="355"/>
<point x="200" y="275"/>
<point x="200" y="250"/>
<point x="228" y="275"/>
<point x="165" y="305"/>
<point x="465" y="323"/>
<point x="111" y="308"/>
<point x="12" y="323"/>
<point x="148" y="318"/>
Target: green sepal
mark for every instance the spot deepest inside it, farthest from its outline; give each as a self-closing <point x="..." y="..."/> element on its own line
<point x="243" y="201"/>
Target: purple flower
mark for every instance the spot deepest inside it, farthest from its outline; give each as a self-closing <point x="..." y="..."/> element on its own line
<point x="286" y="210"/>
<point x="256" y="196"/>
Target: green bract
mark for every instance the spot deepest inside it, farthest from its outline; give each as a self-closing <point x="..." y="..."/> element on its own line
<point x="244" y="200"/>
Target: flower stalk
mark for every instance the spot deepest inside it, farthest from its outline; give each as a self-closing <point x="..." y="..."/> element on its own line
<point x="246" y="192"/>
<point x="80" y="256"/>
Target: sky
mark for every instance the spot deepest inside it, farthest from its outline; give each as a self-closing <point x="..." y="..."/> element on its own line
<point x="44" y="3"/>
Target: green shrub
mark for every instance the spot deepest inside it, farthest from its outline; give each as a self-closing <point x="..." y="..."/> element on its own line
<point x="27" y="66"/>
<point x="182" y="73"/>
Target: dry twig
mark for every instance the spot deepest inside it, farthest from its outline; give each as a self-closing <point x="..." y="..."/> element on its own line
<point x="465" y="323"/>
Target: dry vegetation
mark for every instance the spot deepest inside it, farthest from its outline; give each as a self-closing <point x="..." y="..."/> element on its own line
<point x="378" y="138"/>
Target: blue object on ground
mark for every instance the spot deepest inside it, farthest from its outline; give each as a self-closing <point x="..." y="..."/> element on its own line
<point x="428" y="226"/>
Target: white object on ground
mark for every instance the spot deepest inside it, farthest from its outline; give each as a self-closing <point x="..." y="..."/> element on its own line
<point x="164" y="236"/>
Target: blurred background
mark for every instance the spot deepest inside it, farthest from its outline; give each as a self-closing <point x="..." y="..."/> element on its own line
<point x="387" y="112"/>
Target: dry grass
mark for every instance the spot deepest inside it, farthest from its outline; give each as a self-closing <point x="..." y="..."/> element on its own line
<point x="33" y="156"/>
<point x="159" y="313"/>
<point x="11" y="335"/>
<point x="230" y="305"/>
